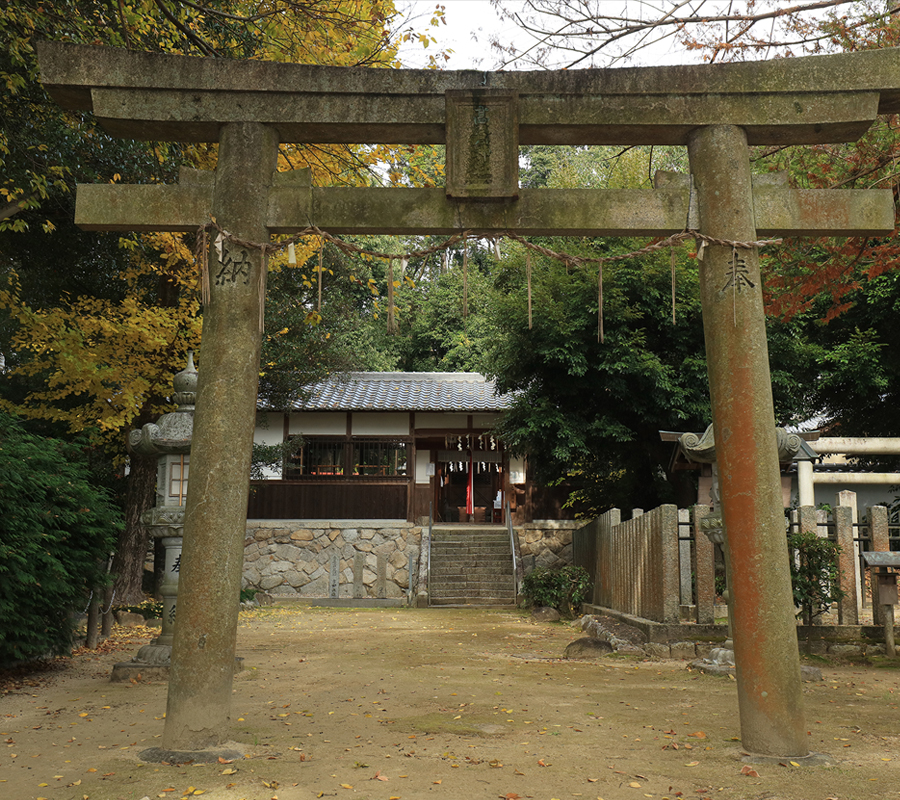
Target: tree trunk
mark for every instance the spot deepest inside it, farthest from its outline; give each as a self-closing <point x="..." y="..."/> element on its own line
<point x="131" y="550"/>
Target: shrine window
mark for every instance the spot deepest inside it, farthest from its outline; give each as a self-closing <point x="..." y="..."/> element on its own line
<point x="318" y="456"/>
<point x="383" y="458"/>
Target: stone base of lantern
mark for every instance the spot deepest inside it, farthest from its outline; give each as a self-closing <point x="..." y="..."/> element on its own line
<point x="152" y="663"/>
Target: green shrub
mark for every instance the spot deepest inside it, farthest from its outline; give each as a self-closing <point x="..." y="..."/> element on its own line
<point x="814" y="574"/>
<point x="564" y="589"/>
<point x="56" y="532"/>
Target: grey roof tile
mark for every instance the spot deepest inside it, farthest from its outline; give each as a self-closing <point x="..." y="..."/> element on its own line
<point x="404" y="391"/>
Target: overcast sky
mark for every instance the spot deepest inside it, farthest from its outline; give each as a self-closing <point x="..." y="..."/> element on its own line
<point x="470" y="24"/>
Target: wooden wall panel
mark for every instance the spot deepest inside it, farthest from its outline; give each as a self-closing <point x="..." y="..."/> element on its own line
<point x="327" y="500"/>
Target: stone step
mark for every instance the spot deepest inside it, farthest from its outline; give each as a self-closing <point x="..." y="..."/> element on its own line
<point x="470" y="543"/>
<point x="457" y="547"/>
<point x="471" y="567"/>
<point x="446" y="575"/>
<point x="479" y="594"/>
<point x="448" y="544"/>
<point x="465" y="585"/>
<point x="463" y="601"/>
<point x="472" y="559"/>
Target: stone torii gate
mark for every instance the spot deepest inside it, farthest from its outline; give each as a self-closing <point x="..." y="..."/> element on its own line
<point x="251" y="107"/>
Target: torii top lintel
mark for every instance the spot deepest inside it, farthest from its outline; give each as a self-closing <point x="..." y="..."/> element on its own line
<point x="808" y="100"/>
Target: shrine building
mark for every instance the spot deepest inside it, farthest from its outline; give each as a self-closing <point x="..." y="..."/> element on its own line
<point x="396" y="445"/>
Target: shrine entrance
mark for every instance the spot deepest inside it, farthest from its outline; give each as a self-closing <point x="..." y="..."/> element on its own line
<point x="248" y="108"/>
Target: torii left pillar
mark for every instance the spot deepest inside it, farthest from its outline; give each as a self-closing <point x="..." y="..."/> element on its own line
<point x="203" y="651"/>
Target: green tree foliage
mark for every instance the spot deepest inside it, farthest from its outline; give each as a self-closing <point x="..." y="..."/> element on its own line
<point x="591" y="411"/>
<point x="446" y="314"/>
<point x="56" y="532"/>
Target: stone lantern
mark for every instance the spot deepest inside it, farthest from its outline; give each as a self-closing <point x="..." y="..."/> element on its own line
<point x="168" y="440"/>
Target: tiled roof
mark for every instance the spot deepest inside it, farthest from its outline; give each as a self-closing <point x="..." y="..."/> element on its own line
<point x="404" y="391"/>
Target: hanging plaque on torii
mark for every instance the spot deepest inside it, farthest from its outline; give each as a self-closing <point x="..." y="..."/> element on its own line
<point x="482" y="117"/>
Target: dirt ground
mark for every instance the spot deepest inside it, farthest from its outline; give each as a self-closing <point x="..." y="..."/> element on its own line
<point x="438" y="703"/>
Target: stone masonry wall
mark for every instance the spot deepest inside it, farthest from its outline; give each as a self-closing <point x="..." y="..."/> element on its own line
<point x="339" y="558"/>
<point x="546" y="543"/>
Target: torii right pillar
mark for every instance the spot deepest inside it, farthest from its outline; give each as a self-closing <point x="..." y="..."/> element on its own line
<point x="765" y="635"/>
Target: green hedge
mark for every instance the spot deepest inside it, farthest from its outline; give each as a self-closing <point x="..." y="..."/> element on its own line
<point x="56" y="531"/>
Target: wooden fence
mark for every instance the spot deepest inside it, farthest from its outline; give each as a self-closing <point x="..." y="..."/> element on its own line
<point x="655" y="567"/>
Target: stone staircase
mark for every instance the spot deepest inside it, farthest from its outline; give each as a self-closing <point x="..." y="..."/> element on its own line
<point x="471" y="566"/>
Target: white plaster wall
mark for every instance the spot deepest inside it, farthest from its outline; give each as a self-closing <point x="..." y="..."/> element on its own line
<point x="378" y="423"/>
<point x="517" y="469"/>
<point x="484" y="420"/>
<point x="423" y="458"/>
<point x="433" y="419"/>
<point x="318" y="423"/>
<point x="269" y="431"/>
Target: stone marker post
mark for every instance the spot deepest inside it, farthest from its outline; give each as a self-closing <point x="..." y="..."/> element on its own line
<point x="216" y="509"/>
<point x="765" y="636"/>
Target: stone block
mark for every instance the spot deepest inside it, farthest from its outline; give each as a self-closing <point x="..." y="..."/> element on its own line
<point x="392" y="591"/>
<point x="657" y="650"/>
<point x="398" y="559"/>
<point x="401" y="578"/>
<point x="334" y="533"/>
<point x="284" y="588"/>
<point x="269" y="582"/>
<point x="545" y="614"/>
<point x="683" y="650"/>
<point x="367" y="533"/>
<point x="249" y="558"/>
<point x="369" y="577"/>
<point x="288" y="552"/>
<point x="703" y="649"/>
<point x="252" y="576"/>
<point x="845" y="650"/>
<point x="261" y="534"/>
<point x="547" y="559"/>
<point x="385" y="549"/>
<point x="815" y="647"/>
<point x="533" y="536"/>
<point x="587" y="648"/>
<point x="302" y="535"/>
<point x="364" y="547"/>
<point x="294" y="578"/>
<point x="351" y="535"/>
<point x="318" y="574"/>
<point x="316" y="588"/>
